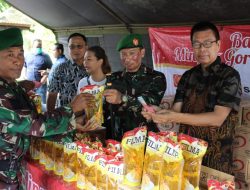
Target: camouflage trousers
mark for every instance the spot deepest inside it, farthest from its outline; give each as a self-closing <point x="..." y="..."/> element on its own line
<point x="5" y="186"/>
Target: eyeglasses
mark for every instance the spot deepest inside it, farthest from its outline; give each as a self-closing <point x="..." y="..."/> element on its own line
<point x="207" y="44"/>
<point x="75" y="46"/>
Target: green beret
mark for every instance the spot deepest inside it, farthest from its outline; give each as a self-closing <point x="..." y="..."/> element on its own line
<point x="11" y="37"/>
<point x="130" y="41"/>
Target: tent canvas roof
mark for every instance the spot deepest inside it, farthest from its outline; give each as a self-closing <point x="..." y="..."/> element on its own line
<point x="63" y="14"/>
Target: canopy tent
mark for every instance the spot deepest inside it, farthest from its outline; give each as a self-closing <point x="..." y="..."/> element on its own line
<point x="105" y="21"/>
<point x="131" y="14"/>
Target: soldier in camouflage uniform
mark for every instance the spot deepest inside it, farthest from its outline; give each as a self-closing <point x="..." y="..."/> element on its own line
<point x="207" y="97"/>
<point x="125" y="86"/>
<point x="18" y="116"/>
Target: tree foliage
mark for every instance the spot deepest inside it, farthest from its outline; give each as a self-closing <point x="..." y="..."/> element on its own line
<point x="3" y="5"/>
<point x="35" y="31"/>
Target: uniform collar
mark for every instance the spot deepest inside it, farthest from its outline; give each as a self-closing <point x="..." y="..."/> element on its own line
<point x="61" y="56"/>
<point x="14" y="83"/>
<point x="212" y="68"/>
<point x="80" y="67"/>
<point x="74" y="63"/>
<point x="142" y="69"/>
<point x="38" y="54"/>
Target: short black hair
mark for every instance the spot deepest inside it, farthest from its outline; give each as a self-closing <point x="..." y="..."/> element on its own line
<point x="79" y="35"/>
<point x="59" y="47"/>
<point x="37" y="40"/>
<point x="205" y="25"/>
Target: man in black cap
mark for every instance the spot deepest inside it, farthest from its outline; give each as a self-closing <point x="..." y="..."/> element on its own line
<point x="126" y="86"/>
<point x="18" y="116"/>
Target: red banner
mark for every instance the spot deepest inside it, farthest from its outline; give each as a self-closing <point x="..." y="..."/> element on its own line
<point x="172" y="52"/>
<point x="37" y="178"/>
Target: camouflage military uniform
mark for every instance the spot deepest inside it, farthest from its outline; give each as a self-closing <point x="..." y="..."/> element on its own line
<point x="18" y="121"/>
<point x="149" y="84"/>
<point x="200" y="91"/>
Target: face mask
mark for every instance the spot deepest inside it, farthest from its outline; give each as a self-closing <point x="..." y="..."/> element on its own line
<point x="39" y="51"/>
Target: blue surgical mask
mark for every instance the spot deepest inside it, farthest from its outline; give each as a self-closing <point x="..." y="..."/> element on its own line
<point x="39" y="51"/>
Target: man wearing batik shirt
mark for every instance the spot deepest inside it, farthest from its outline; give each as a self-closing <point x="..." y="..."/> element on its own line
<point x="19" y="118"/>
<point x="127" y="85"/>
<point x="206" y="100"/>
<point x="65" y="78"/>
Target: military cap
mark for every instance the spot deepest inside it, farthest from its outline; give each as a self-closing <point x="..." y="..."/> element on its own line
<point x="11" y="37"/>
<point x="130" y="41"/>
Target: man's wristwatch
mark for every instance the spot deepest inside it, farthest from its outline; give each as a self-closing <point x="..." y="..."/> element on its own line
<point x="124" y="98"/>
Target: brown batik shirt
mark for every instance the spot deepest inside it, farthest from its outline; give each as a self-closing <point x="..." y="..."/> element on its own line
<point x="200" y="91"/>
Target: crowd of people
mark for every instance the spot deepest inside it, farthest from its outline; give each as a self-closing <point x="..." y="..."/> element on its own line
<point x="207" y="96"/>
